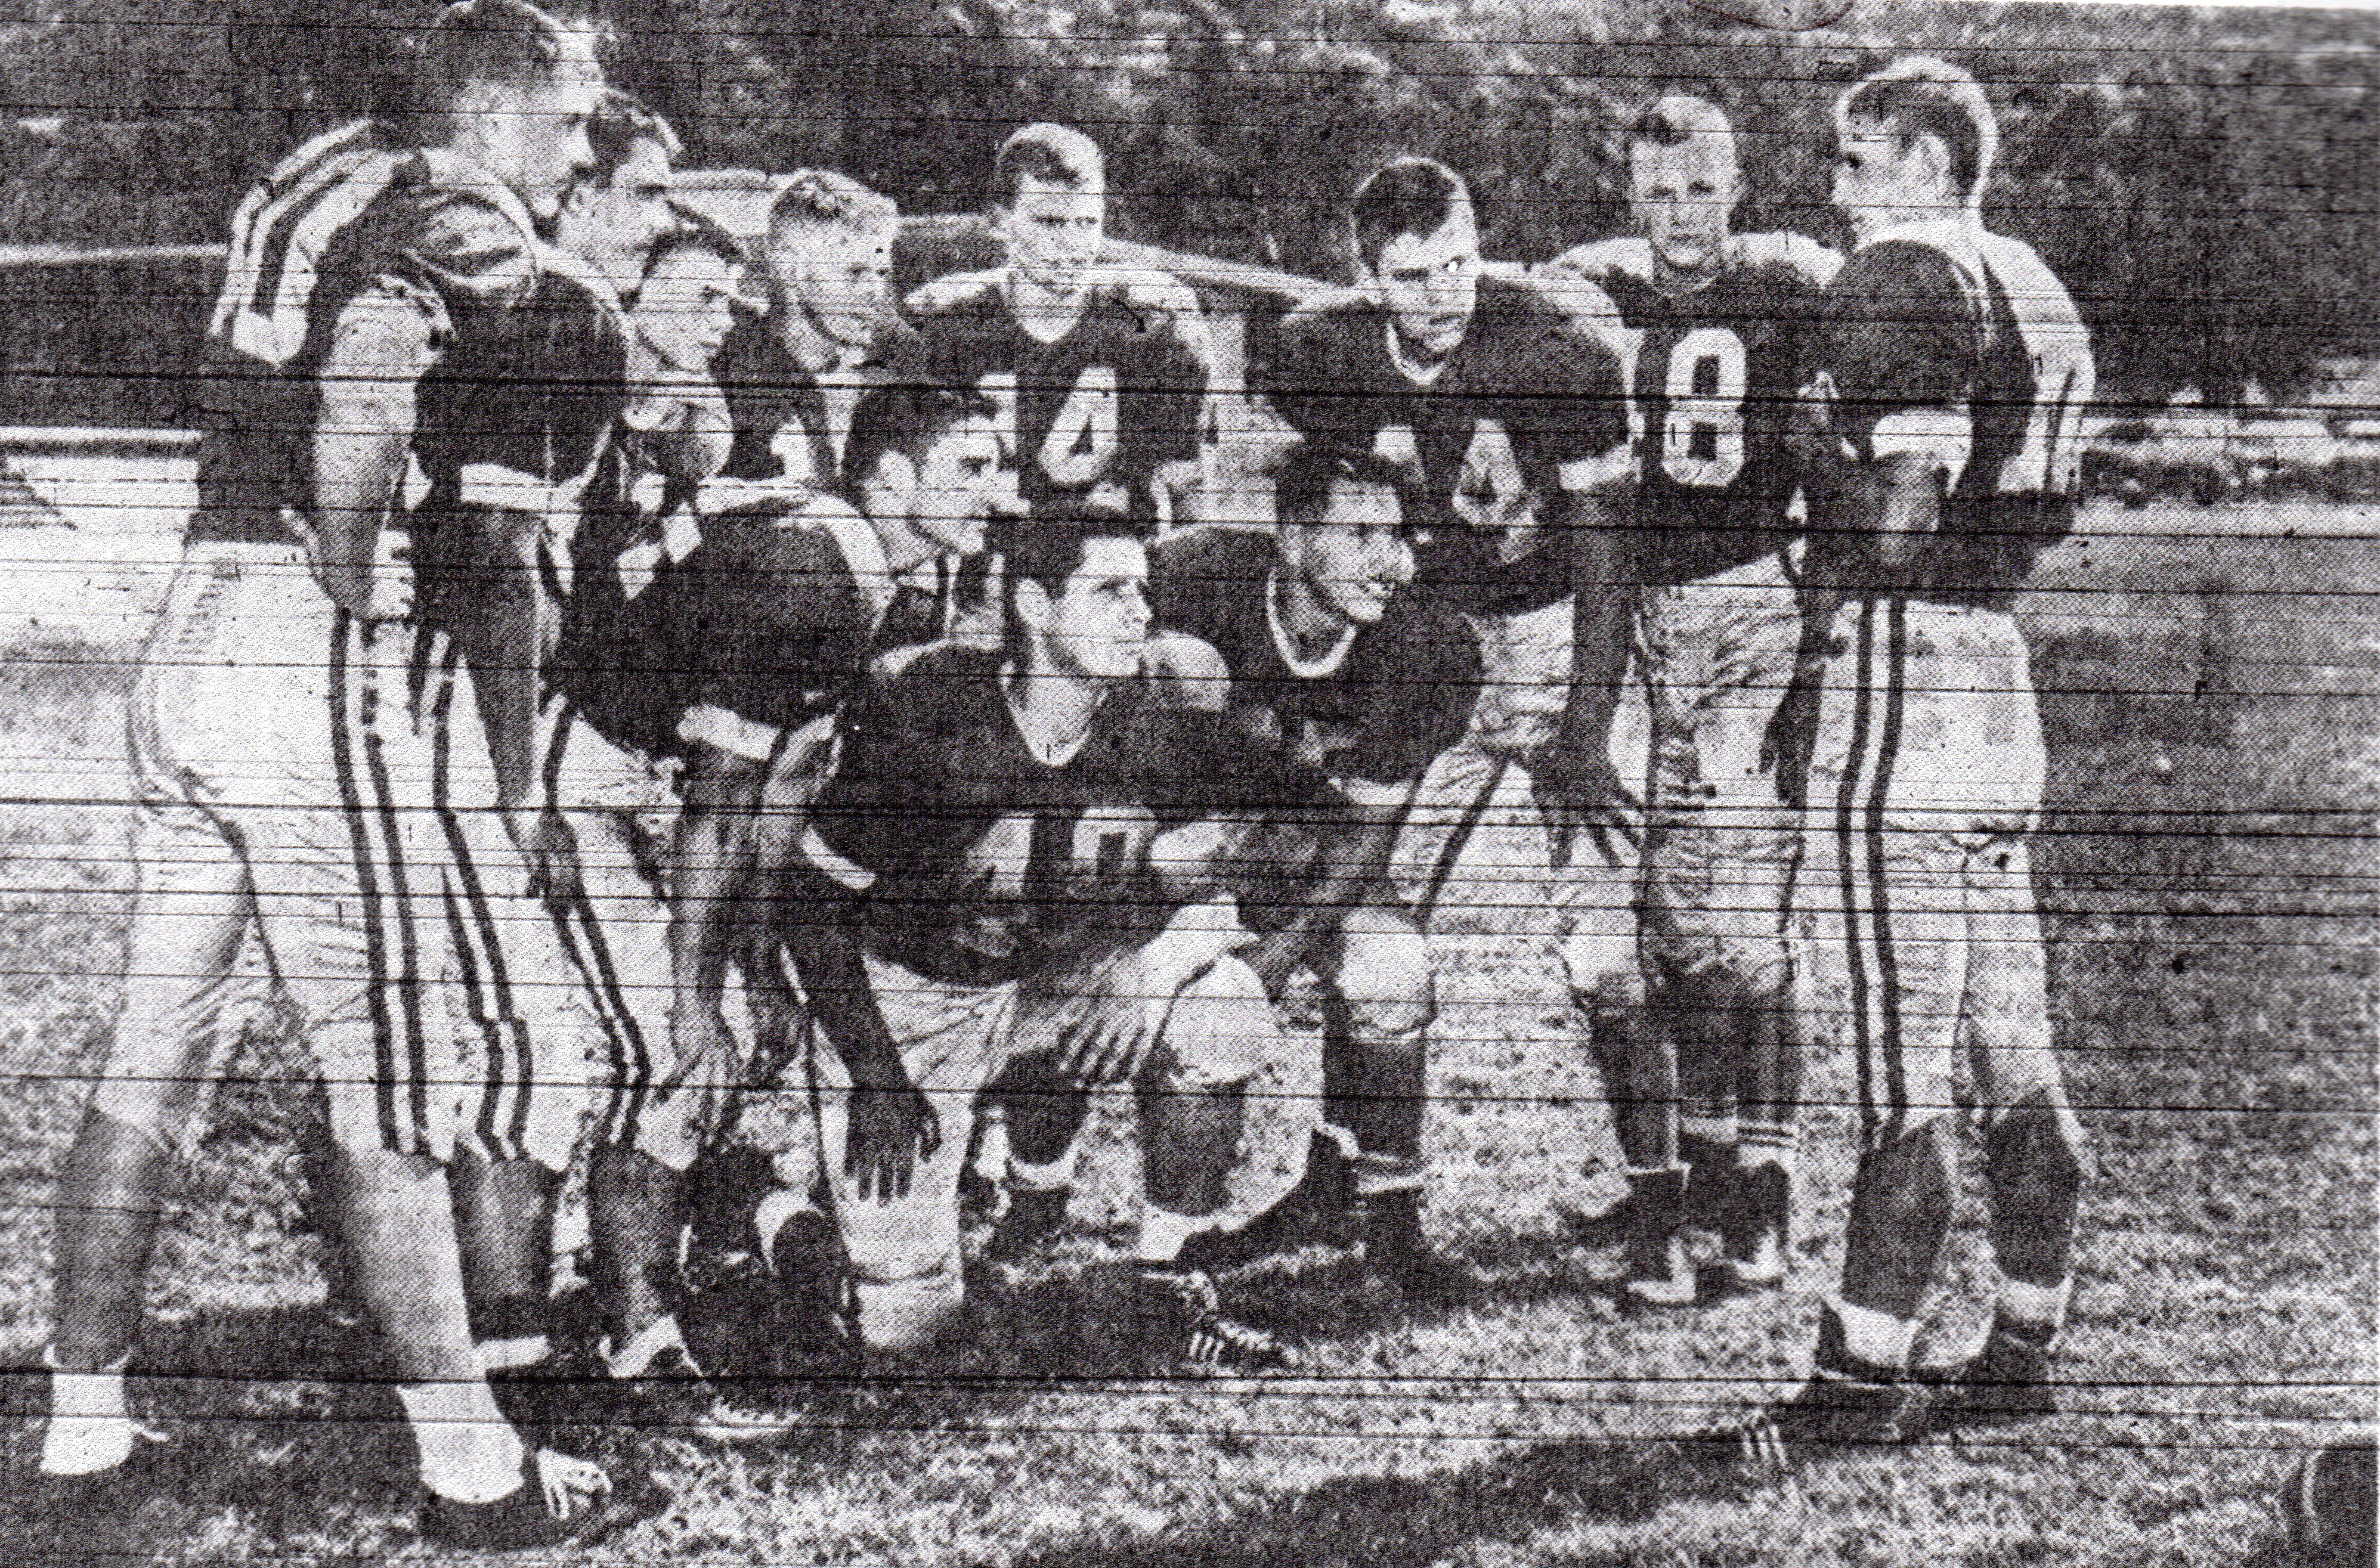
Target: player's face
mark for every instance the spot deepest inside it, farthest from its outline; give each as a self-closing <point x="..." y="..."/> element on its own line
<point x="1097" y="624"/>
<point x="1053" y="233"/>
<point x="532" y="134"/>
<point x="686" y="308"/>
<point x="614" y="222"/>
<point x="1882" y="178"/>
<point x="962" y="482"/>
<point x="1430" y="284"/>
<point x="1358" y="556"/>
<point x="838" y="276"/>
<point x="1683" y="197"/>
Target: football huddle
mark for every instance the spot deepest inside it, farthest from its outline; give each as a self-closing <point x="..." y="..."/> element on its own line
<point x="619" y="669"/>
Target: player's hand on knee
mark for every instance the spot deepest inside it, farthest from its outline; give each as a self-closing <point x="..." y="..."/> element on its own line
<point x="1583" y="794"/>
<point x="893" y="1128"/>
<point x="1115" y="1032"/>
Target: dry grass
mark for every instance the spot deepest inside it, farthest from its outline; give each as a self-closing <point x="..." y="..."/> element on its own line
<point x="2210" y="886"/>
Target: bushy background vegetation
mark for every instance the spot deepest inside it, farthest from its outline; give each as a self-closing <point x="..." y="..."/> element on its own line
<point x="2202" y="179"/>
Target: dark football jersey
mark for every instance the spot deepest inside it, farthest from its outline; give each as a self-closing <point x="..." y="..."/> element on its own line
<point x="974" y="861"/>
<point x="513" y="416"/>
<point x="1717" y="372"/>
<point x="1088" y="418"/>
<point x="341" y="215"/>
<point x="1376" y="710"/>
<point x="1939" y="317"/>
<point x="772" y="618"/>
<point x="1525" y="395"/>
<point x="790" y="427"/>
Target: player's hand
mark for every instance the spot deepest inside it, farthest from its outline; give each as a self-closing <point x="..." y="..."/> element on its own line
<point x="1275" y="959"/>
<point x="892" y="1129"/>
<point x="1584" y="794"/>
<point x="1115" y="1032"/>
<point x="705" y="1067"/>
<point x="552" y="851"/>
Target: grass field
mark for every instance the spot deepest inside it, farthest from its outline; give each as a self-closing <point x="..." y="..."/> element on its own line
<point x="2209" y="872"/>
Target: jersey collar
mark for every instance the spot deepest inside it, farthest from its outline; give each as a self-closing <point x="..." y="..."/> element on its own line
<point x="1328" y="662"/>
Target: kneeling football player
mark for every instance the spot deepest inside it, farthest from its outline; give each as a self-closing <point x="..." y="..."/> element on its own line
<point x="1331" y="663"/>
<point x="979" y="885"/>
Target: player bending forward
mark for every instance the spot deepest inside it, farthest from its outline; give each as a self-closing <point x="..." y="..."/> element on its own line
<point x="310" y="754"/>
<point x="1722" y="324"/>
<point x="734" y="660"/>
<point x="1512" y="425"/>
<point x="984" y="884"/>
<point x="1951" y="371"/>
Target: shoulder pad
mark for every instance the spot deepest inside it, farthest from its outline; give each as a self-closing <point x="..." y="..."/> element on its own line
<point x="952" y="290"/>
<point x="1796" y="253"/>
<point x="1146" y="288"/>
<point x="1588" y="311"/>
<point x="1604" y="261"/>
<point x="461" y="240"/>
<point x="1184" y="671"/>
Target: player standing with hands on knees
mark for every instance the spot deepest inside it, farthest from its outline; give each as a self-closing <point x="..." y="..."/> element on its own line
<point x="1698" y="1016"/>
<point x="1951" y="372"/>
<point x="306" y="741"/>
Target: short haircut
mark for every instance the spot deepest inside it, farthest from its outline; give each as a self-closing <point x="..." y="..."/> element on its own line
<point x="619" y="123"/>
<point x="1303" y="485"/>
<point x="1918" y="95"/>
<point x="1050" y="549"/>
<point x="824" y="197"/>
<point x="907" y="418"/>
<point x="1053" y="154"/>
<point x="503" y="41"/>
<point x="693" y="231"/>
<point x="1675" y="118"/>
<point x="1409" y="196"/>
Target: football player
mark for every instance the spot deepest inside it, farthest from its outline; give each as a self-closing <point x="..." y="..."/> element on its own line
<point x="1102" y="371"/>
<point x="1328" y="660"/>
<point x="795" y="373"/>
<point x="306" y="741"/>
<point x="734" y="660"/>
<point x="983" y="884"/>
<point x="1513" y="423"/>
<point x="508" y="441"/>
<point x="1951" y="372"/>
<point x="1722" y="323"/>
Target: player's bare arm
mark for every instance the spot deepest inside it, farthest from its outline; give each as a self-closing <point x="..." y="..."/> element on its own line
<point x="1574" y="781"/>
<point x="385" y="340"/>
<point x="893" y="1127"/>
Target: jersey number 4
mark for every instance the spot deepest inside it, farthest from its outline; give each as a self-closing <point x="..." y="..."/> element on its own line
<point x="1085" y="433"/>
<point x="1702" y="437"/>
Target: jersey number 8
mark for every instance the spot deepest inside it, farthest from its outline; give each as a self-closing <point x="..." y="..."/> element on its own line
<point x="1702" y="439"/>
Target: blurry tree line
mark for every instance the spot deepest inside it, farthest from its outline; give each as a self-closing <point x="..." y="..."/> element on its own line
<point x="2205" y="181"/>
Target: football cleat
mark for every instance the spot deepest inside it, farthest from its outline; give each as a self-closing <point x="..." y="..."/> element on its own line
<point x="2008" y="1379"/>
<point x="1323" y="1198"/>
<point x="1183" y="1321"/>
<point x="1756" y="1229"/>
<point x="1832" y="1412"/>
<point x="560" y="1502"/>
<point x="1661" y="1273"/>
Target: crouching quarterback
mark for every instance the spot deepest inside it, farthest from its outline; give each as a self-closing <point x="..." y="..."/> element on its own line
<point x="982" y="883"/>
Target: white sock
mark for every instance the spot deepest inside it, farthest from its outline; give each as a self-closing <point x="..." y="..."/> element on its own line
<point x="1874" y="1338"/>
<point x="1057" y="1176"/>
<point x="2037" y="1311"/>
<point x="91" y="1427"/>
<point x="1162" y="1234"/>
<point x="469" y="1452"/>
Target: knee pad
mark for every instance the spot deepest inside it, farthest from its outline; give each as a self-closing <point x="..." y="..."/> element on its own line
<point x="1385" y="977"/>
<point x="1220" y="1030"/>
